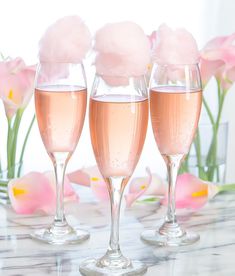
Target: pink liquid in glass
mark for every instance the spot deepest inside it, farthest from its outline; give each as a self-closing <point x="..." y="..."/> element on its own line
<point x="174" y="114"/>
<point x="60" y="114"/>
<point x="118" y="127"/>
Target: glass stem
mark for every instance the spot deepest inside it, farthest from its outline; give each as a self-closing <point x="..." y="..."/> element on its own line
<point x="170" y="227"/>
<point x="173" y="164"/>
<point x="113" y="258"/>
<point x="116" y="188"/>
<point x="60" y="163"/>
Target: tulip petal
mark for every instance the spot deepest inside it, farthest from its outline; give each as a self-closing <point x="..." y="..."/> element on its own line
<point x="92" y="177"/>
<point x="192" y="192"/>
<point x="138" y="187"/>
<point x="79" y="177"/>
<point x="217" y="58"/>
<point x="37" y="192"/>
<point x="69" y="193"/>
<point x="30" y="193"/>
<point x="16" y="86"/>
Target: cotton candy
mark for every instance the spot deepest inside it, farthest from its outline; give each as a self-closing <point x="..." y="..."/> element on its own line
<point x="67" y="40"/>
<point x="175" y="47"/>
<point x="122" y="51"/>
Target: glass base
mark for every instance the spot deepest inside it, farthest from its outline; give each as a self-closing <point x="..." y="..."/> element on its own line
<point x="153" y="237"/>
<point x="64" y="234"/>
<point x="91" y="267"/>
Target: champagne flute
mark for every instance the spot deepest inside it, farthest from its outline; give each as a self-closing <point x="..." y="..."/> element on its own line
<point x="60" y="100"/>
<point x="118" y="124"/>
<point x="175" y="105"/>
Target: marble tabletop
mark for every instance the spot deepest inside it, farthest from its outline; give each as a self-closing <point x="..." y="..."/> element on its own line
<point x="212" y="255"/>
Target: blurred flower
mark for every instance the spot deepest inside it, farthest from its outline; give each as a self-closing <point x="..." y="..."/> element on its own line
<point x="152" y="39"/>
<point x="218" y="59"/>
<point x="36" y="192"/>
<point x="69" y="193"/>
<point x="92" y="178"/>
<point x="16" y="86"/>
<point x="150" y="185"/>
<point x="192" y="192"/>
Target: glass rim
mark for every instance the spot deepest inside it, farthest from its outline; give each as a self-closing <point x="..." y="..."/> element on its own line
<point x="59" y="84"/>
<point x="128" y="77"/>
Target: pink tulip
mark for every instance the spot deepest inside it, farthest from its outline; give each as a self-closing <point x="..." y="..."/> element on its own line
<point x="79" y="177"/>
<point x="30" y="193"/>
<point x="218" y="59"/>
<point x="16" y="86"/>
<point x="69" y="193"/>
<point x="98" y="184"/>
<point x="36" y="192"/>
<point x="152" y="39"/>
<point x="92" y="177"/>
<point x="150" y="185"/>
<point x="192" y="192"/>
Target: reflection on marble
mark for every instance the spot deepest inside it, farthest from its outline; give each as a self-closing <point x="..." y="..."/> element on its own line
<point x="212" y="255"/>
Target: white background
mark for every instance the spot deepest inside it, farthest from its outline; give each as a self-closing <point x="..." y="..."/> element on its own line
<point x="23" y="22"/>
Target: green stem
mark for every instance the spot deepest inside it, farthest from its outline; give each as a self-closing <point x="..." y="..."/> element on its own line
<point x="210" y="115"/>
<point x="217" y="174"/>
<point x="24" y="146"/>
<point x="227" y="188"/>
<point x="9" y="144"/>
<point x="197" y="144"/>
<point x="212" y="153"/>
<point x="16" y="126"/>
<point x="184" y="166"/>
<point x="4" y="183"/>
<point x="2" y="56"/>
<point x="220" y="110"/>
<point x="150" y="199"/>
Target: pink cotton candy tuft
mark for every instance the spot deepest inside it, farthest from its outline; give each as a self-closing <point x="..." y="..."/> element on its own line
<point x="123" y="50"/>
<point x="175" y="47"/>
<point x="67" y="40"/>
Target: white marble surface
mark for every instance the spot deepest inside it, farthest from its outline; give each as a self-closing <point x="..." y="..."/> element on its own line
<point x="212" y="255"/>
